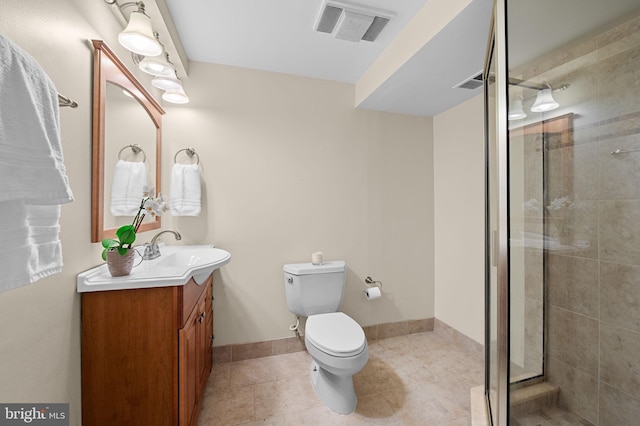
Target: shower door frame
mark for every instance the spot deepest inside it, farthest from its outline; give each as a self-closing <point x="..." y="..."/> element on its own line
<point x="497" y="240"/>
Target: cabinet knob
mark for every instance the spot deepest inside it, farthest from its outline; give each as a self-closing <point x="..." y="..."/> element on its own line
<point x="202" y="316"/>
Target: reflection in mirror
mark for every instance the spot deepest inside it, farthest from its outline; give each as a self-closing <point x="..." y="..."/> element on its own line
<point x="128" y="167"/>
<point x="127" y="134"/>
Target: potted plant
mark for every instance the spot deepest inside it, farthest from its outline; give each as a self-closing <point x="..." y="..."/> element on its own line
<point x="119" y="252"/>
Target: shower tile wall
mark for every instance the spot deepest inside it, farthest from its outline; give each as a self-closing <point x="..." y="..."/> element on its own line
<point x="593" y="350"/>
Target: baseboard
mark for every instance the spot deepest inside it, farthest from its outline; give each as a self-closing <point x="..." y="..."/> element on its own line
<point x="244" y="351"/>
<point x="450" y="333"/>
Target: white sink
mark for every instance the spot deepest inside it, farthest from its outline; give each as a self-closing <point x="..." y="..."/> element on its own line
<point x="176" y="266"/>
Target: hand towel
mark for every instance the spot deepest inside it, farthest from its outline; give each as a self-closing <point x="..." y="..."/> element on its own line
<point x="185" y="190"/>
<point x="127" y="186"/>
<point x="31" y="160"/>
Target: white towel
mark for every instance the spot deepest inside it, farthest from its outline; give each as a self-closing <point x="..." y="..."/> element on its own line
<point x="185" y="190"/>
<point x="129" y="180"/>
<point x="31" y="247"/>
<point x="33" y="179"/>
<point x="31" y="160"/>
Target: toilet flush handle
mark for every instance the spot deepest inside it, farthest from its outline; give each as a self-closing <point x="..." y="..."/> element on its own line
<point x="290" y="280"/>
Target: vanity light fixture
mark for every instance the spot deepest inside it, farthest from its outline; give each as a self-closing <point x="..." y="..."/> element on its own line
<point x="157" y="65"/>
<point x="174" y="92"/>
<point x="138" y="36"/>
<point x="516" y="112"/>
<point x="175" y="96"/>
<point x="147" y="51"/>
<point x="544" y="100"/>
<point x="170" y="83"/>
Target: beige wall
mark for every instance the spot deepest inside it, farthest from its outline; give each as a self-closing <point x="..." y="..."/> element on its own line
<point x="459" y="217"/>
<point x="289" y="167"/>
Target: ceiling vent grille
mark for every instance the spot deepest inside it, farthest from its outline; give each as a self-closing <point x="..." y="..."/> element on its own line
<point x="470" y="83"/>
<point x="351" y="22"/>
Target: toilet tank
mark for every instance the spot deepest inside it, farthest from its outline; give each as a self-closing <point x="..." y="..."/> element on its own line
<point x="314" y="289"/>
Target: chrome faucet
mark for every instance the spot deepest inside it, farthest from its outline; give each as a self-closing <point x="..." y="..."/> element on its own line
<point x="151" y="250"/>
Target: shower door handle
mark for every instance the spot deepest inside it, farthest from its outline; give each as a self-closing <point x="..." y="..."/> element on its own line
<point x="494" y="248"/>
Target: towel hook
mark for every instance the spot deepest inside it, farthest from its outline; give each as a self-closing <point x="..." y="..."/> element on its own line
<point x="190" y="153"/>
<point x="136" y="150"/>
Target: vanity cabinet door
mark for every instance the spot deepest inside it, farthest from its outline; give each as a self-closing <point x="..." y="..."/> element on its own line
<point x="188" y="369"/>
<point x="130" y="357"/>
<point x="193" y="353"/>
<point x="207" y="341"/>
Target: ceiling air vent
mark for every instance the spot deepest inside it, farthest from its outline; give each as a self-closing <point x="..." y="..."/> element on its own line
<point x="471" y="82"/>
<point x="351" y="22"/>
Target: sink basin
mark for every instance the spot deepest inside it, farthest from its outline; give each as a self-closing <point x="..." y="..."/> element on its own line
<point x="187" y="258"/>
<point x="176" y="266"/>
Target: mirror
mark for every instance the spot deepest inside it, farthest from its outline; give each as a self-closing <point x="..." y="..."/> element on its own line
<point x="127" y="126"/>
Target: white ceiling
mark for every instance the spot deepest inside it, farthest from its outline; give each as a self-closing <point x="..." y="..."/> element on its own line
<point x="278" y="36"/>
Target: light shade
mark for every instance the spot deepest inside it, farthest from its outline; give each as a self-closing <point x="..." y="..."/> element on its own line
<point x="170" y="83"/>
<point x="175" y="96"/>
<point x="138" y="36"/>
<point x="544" y="101"/>
<point x="516" y="112"/>
<point x="157" y="65"/>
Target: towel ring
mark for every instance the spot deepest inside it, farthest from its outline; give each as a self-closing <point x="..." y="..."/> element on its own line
<point x="190" y="153"/>
<point x="136" y="150"/>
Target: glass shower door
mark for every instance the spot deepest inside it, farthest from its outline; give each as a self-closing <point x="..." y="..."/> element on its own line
<point x="562" y="84"/>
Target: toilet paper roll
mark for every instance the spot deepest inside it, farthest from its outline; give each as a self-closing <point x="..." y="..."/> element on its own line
<point x="373" y="293"/>
<point x="316" y="258"/>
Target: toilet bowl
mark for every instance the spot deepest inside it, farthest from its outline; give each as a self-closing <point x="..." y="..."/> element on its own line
<point x="336" y="342"/>
<point x="339" y="350"/>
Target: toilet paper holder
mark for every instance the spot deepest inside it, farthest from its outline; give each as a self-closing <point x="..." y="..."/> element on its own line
<point x="371" y="282"/>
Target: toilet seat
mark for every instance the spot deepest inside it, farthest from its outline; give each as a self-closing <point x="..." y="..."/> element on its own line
<point x="336" y="334"/>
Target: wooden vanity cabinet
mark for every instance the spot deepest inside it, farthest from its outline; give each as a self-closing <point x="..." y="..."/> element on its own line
<point x="146" y="355"/>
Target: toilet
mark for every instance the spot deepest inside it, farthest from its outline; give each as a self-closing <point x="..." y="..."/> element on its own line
<point x="334" y="340"/>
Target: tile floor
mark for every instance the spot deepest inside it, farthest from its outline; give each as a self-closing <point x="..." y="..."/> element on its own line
<point x="418" y="379"/>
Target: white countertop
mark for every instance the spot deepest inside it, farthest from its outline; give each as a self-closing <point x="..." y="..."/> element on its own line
<point x="175" y="266"/>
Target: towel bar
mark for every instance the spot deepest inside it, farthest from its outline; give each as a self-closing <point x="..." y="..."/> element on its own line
<point x="622" y="151"/>
<point x="63" y="101"/>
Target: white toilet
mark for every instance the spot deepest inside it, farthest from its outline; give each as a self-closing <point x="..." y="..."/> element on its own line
<point x="334" y="340"/>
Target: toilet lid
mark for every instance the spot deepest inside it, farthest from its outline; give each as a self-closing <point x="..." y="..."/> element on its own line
<point x="335" y="333"/>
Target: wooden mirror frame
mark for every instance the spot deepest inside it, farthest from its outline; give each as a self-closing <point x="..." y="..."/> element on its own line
<point x="108" y="68"/>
